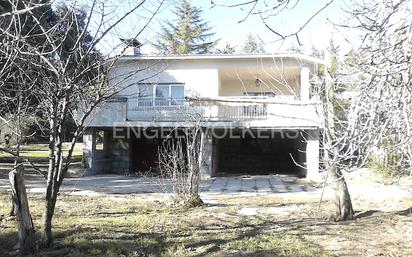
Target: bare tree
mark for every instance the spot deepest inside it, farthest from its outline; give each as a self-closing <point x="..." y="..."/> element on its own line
<point x="376" y="81"/>
<point x="382" y="64"/>
<point x="180" y="158"/>
<point x="367" y="98"/>
<point x="266" y="11"/>
<point x="67" y="73"/>
<point x="335" y="140"/>
<point x="16" y="109"/>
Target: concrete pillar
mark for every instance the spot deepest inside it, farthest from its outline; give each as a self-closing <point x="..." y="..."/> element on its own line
<point x="300" y="144"/>
<point x="106" y="166"/>
<point x="120" y="152"/>
<point x="89" y="150"/>
<point x="312" y="155"/>
<point x="304" y="84"/>
<point x="205" y="154"/>
<point x="215" y="156"/>
<point x="107" y="143"/>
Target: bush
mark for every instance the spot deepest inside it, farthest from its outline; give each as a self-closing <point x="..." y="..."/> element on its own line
<point x="388" y="161"/>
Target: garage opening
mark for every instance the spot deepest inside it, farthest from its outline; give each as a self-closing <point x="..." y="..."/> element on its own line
<point x="145" y="144"/>
<point x="144" y="156"/>
<point x="259" y="153"/>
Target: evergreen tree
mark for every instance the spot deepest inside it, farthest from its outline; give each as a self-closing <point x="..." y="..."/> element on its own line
<point x="295" y="49"/>
<point x="334" y="54"/>
<point x="68" y="30"/>
<point x="227" y="49"/>
<point x="315" y="52"/>
<point x="33" y="37"/>
<point x="251" y="45"/>
<point x="188" y="33"/>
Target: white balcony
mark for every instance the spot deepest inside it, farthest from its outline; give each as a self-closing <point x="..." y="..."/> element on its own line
<point x="172" y="109"/>
<point x="282" y="111"/>
<point x="270" y="112"/>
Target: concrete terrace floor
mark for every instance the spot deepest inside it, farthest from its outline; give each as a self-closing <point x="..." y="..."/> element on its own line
<point x="270" y="185"/>
<point x="116" y="184"/>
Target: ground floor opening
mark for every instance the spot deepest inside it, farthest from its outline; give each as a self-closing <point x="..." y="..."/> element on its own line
<point x="147" y="144"/>
<point x="259" y="152"/>
<point x="226" y="152"/>
<point x="144" y="155"/>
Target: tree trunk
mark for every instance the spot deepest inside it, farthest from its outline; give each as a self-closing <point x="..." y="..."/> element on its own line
<point x="49" y="206"/>
<point x="193" y="151"/>
<point x="47" y="226"/>
<point x="342" y="201"/>
<point x="11" y="213"/>
<point x="25" y="225"/>
<point x="48" y="217"/>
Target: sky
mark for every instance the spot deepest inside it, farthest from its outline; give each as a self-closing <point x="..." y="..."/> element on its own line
<point x="226" y="22"/>
<point x="228" y="25"/>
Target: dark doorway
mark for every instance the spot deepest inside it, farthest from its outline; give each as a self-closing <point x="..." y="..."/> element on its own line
<point x="145" y="144"/>
<point x="144" y="155"/>
<point x="258" y="154"/>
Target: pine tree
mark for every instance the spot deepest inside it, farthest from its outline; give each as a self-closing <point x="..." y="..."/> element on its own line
<point x="315" y="52"/>
<point x="227" y="49"/>
<point x="296" y="49"/>
<point x="188" y="33"/>
<point x="251" y="45"/>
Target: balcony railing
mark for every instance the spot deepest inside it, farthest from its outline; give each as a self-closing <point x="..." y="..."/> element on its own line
<point x="280" y="112"/>
<point x="180" y="109"/>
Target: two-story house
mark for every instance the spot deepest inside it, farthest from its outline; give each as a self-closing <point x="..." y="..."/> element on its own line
<point x="257" y="113"/>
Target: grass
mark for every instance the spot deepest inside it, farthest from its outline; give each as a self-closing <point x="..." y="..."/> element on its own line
<point x="41" y="151"/>
<point x="127" y="226"/>
<point x="139" y="225"/>
<point x="38" y="154"/>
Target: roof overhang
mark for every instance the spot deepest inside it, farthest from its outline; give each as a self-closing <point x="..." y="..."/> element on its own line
<point x="295" y="56"/>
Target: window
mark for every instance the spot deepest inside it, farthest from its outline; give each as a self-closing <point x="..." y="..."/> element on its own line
<point x="160" y="94"/>
<point x="177" y="95"/>
<point x="145" y="91"/>
<point x="145" y="95"/>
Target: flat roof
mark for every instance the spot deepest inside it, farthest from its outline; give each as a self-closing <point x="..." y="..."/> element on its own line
<point x="296" y="56"/>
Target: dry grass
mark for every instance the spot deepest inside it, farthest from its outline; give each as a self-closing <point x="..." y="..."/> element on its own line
<point x="115" y="226"/>
<point x="131" y="226"/>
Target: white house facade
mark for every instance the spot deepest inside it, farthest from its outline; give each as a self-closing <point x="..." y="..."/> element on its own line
<point x="257" y="113"/>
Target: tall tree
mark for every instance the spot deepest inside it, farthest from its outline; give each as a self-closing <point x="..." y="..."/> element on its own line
<point x="374" y="111"/>
<point x="385" y="93"/>
<point x="188" y="33"/>
<point x="64" y="72"/>
<point x="251" y="45"/>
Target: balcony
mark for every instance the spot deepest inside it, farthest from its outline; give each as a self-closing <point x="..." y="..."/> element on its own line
<point x="278" y="111"/>
<point x="282" y="112"/>
<point x="175" y="109"/>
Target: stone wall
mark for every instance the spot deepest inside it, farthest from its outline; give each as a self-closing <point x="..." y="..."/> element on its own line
<point x="120" y="153"/>
<point x="113" y="158"/>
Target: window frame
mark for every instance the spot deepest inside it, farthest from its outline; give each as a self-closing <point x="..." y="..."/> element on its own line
<point x="169" y="97"/>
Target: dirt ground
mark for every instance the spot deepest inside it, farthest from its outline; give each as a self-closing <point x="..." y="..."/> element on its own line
<point x="260" y="225"/>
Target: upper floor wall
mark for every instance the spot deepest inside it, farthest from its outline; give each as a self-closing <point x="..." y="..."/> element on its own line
<point x="256" y="90"/>
<point x="214" y="76"/>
